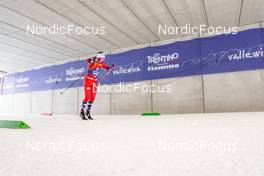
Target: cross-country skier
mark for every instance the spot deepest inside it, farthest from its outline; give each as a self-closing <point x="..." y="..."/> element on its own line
<point x="95" y="64"/>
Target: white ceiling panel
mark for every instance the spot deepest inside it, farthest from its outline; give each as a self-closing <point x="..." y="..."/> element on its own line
<point x="27" y="53"/>
<point x="10" y="67"/>
<point x="252" y="11"/>
<point x="9" y="60"/>
<point x="56" y="8"/>
<point x="13" y="18"/>
<point x="153" y="13"/>
<point x="41" y="40"/>
<point x="116" y="12"/>
<point x="88" y="18"/>
<point x="81" y="15"/>
<point x="31" y="47"/>
<point x="20" y="58"/>
<point x="219" y="15"/>
<point x="188" y="11"/>
<point x="47" y="57"/>
<point x="45" y="44"/>
<point x="36" y="18"/>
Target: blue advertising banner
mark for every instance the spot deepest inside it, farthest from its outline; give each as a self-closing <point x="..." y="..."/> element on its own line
<point x="217" y="54"/>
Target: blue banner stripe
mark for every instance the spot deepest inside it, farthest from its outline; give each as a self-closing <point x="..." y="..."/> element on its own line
<point x="217" y="54"/>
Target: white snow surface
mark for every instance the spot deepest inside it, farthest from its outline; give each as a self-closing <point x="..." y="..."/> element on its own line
<point x="185" y="145"/>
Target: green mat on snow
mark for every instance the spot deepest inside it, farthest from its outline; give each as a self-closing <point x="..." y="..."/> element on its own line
<point x="150" y="114"/>
<point x="13" y="124"/>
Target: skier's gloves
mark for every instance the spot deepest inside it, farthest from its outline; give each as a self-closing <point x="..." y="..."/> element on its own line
<point x="90" y="60"/>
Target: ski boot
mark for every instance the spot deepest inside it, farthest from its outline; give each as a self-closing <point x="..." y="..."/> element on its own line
<point x="88" y="115"/>
<point x="82" y="115"/>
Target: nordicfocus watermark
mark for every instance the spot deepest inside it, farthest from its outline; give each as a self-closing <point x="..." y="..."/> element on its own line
<point x="134" y="88"/>
<point x="64" y="146"/>
<point x="70" y="29"/>
<point x="206" y="146"/>
<point x="195" y="30"/>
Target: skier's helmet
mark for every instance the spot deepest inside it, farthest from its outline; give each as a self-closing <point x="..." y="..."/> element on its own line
<point x="101" y="56"/>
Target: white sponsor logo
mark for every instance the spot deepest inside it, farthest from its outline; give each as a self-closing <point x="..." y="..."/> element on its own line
<point x="163" y="62"/>
<point x="52" y="80"/>
<point x="22" y="82"/>
<point x="157" y="58"/>
<point x="253" y="52"/>
<point x="130" y="68"/>
<point x="73" y="72"/>
<point x="246" y="54"/>
<point x="123" y="70"/>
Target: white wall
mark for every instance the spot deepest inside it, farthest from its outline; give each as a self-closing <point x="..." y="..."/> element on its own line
<point x="6" y="103"/>
<point x="22" y="103"/>
<point x="186" y="95"/>
<point x="237" y="91"/>
<point x="41" y="102"/>
<point x="67" y="103"/>
<point x="131" y="102"/>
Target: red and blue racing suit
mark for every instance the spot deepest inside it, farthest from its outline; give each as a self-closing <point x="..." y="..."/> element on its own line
<point x="90" y="81"/>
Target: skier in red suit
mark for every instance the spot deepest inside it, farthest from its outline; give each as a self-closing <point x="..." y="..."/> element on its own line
<point x="95" y="64"/>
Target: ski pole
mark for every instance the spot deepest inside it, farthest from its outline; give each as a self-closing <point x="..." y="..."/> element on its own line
<point x="113" y="67"/>
<point x="73" y="83"/>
